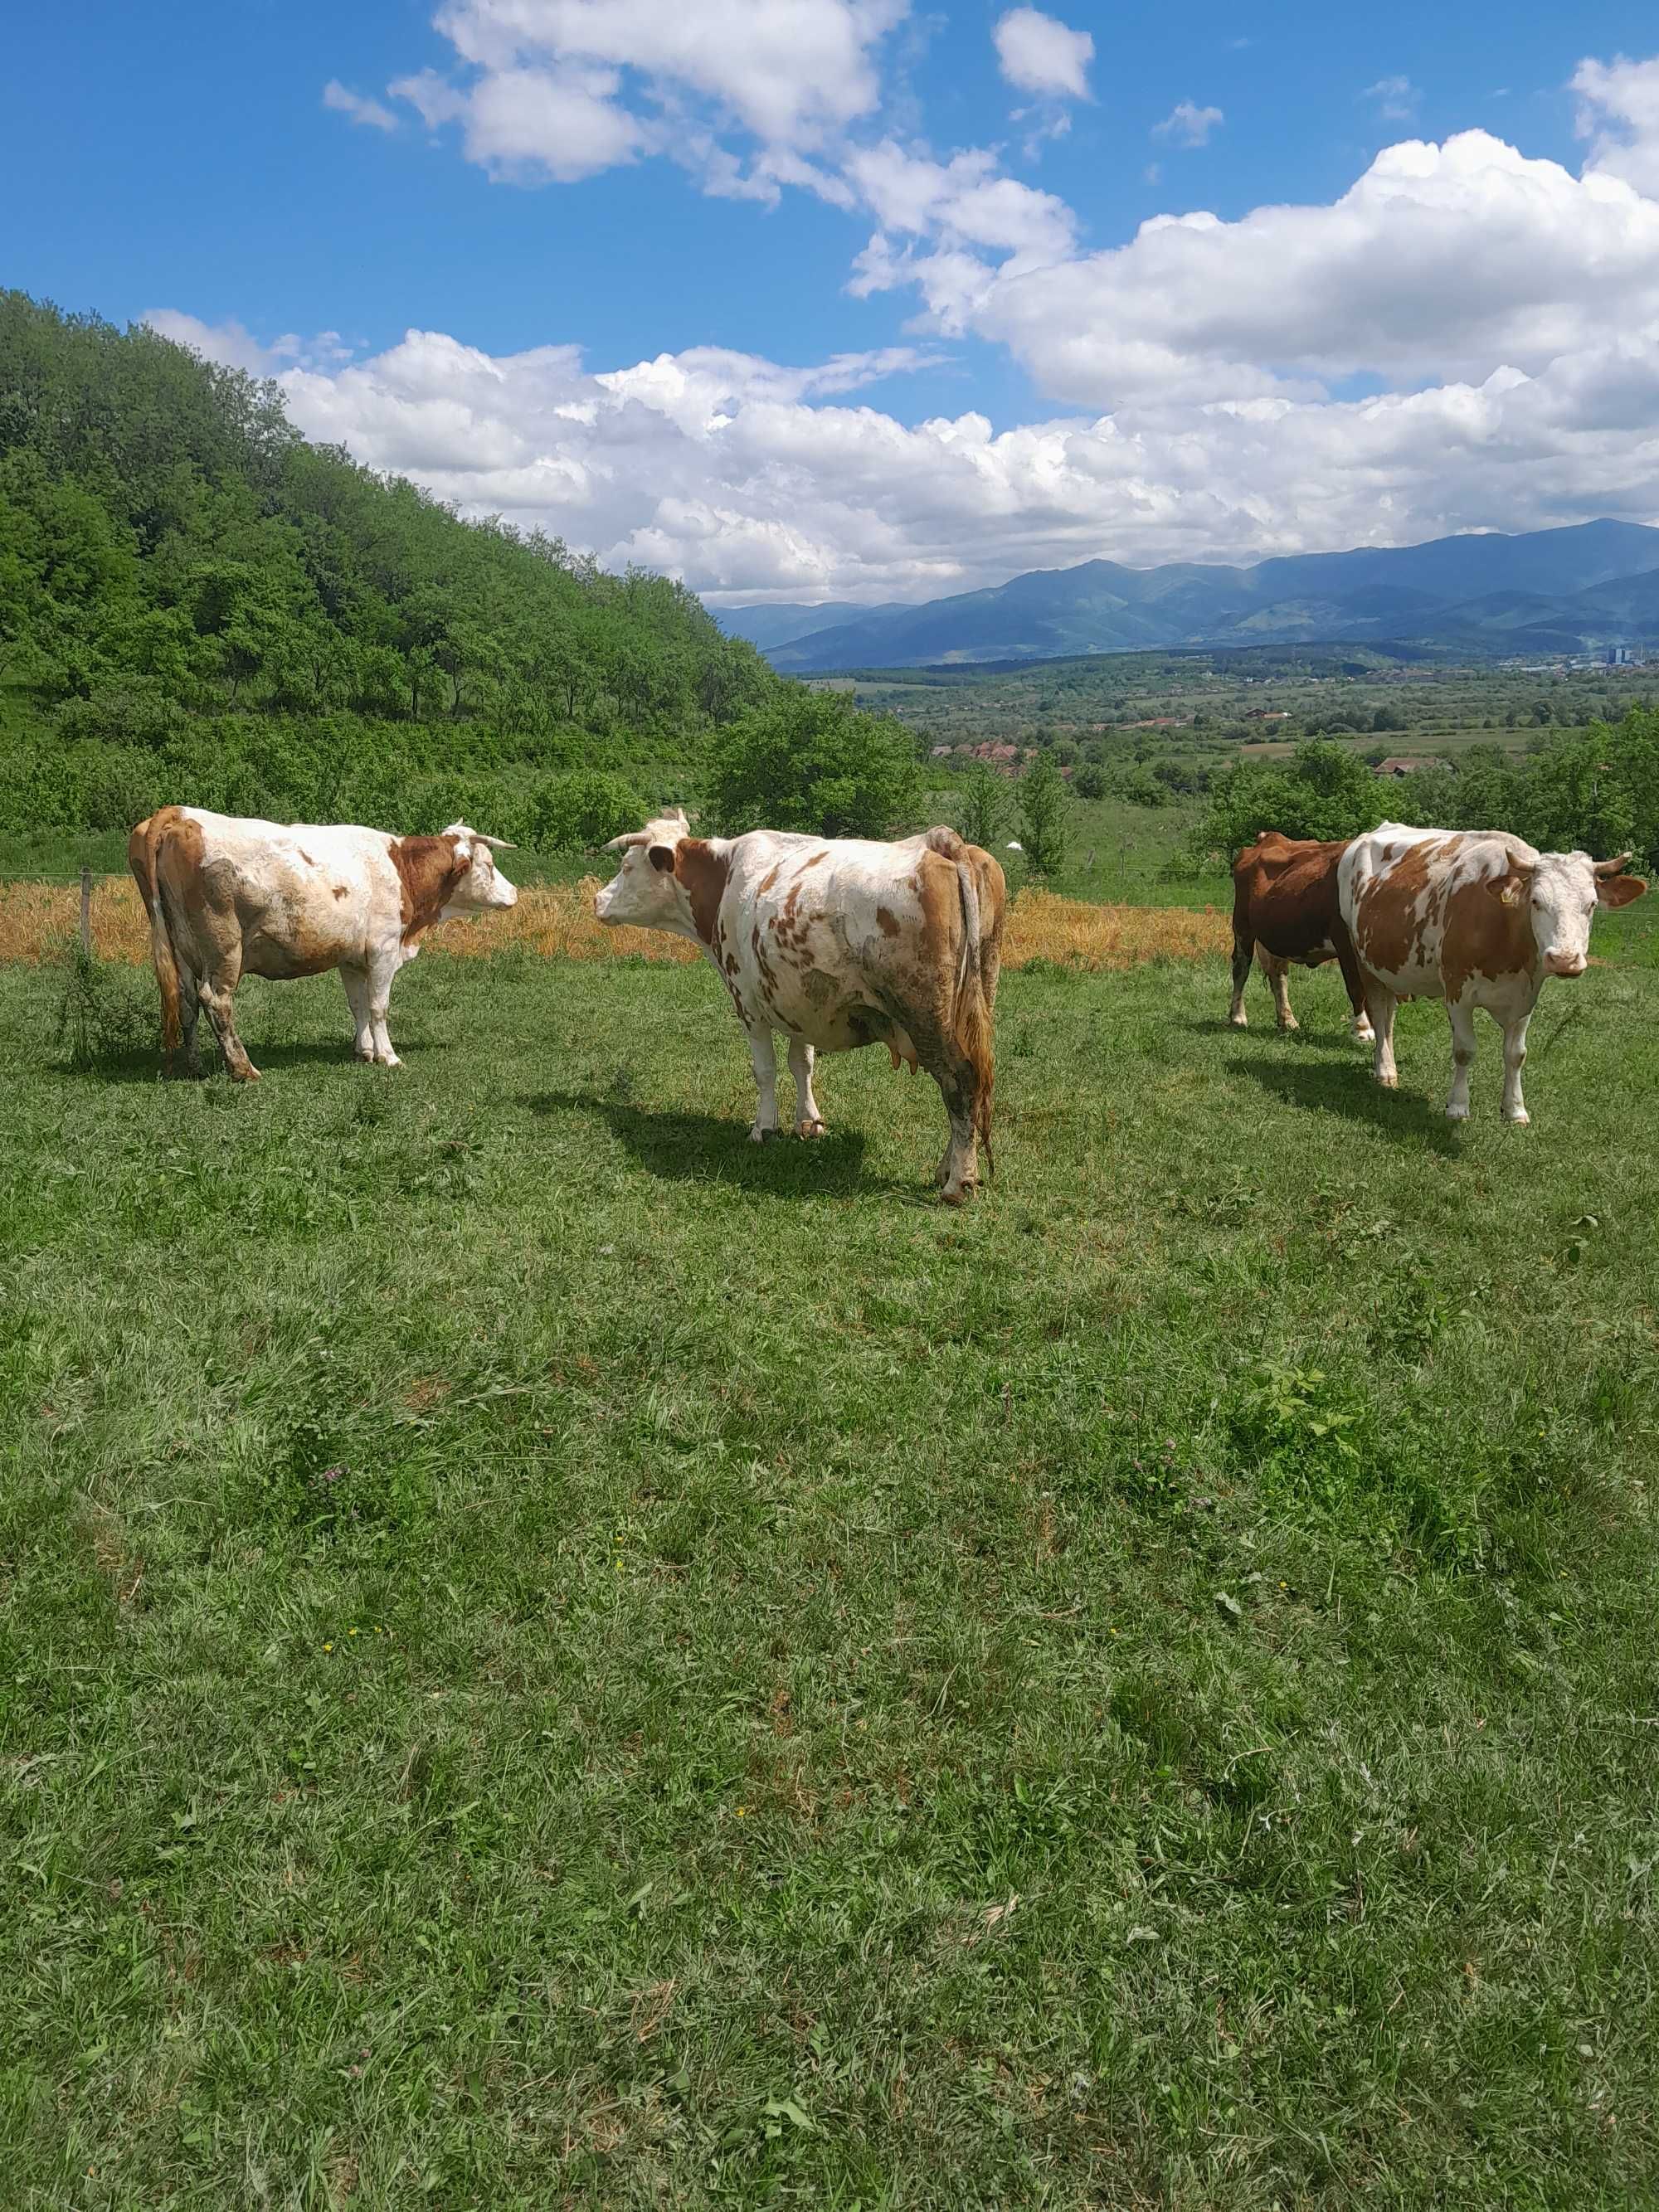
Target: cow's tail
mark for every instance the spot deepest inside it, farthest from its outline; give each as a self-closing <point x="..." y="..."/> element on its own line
<point x="972" y="1008"/>
<point x="144" y="858"/>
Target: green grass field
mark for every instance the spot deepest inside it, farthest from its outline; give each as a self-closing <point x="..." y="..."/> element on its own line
<point x="553" y="1657"/>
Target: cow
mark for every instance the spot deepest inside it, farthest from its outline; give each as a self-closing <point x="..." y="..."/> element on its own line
<point x="838" y="943"/>
<point x="1478" y="918"/>
<point x="227" y="895"/>
<point x="1285" y="909"/>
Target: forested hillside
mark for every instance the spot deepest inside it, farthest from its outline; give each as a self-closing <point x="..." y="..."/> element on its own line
<point x="196" y="604"/>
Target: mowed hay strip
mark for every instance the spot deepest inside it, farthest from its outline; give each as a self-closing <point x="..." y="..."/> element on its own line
<point x="36" y="921"/>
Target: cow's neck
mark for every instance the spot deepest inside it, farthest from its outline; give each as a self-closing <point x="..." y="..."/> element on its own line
<point x="427" y="873"/>
<point x="701" y="868"/>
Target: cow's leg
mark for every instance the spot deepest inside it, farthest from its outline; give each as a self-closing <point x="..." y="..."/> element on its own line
<point x="1348" y="961"/>
<point x="1277" y="973"/>
<point x="380" y="973"/>
<point x="1515" y="1058"/>
<point x="1381" y="1003"/>
<point x="809" y="1122"/>
<point x="1243" y="953"/>
<point x="762" y="1050"/>
<point x="1463" y="1028"/>
<point x="958" y="1171"/>
<point x="217" y="993"/>
<point x="190" y="1013"/>
<point x="356" y="981"/>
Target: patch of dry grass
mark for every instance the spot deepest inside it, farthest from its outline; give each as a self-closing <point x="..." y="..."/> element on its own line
<point x="557" y="921"/>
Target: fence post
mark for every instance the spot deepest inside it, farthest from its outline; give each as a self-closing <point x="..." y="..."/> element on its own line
<point x="86" y="909"/>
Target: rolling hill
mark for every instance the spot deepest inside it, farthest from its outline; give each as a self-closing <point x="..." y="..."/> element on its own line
<point x="1491" y="596"/>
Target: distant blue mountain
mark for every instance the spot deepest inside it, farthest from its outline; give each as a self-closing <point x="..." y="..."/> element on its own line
<point x="780" y="625"/>
<point x="1489" y="596"/>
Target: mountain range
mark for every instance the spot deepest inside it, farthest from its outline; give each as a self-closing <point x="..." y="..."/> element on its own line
<point x="1543" y="593"/>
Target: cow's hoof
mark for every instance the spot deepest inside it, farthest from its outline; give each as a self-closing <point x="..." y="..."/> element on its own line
<point x="956" y="1194"/>
<point x="1365" y="1037"/>
<point x="1518" y="1120"/>
<point x="810" y="1129"/>
<point x="392" y="1062"/>
<point x="1387" y="1083"/>
<point x="759" y="1136"/>
<point x="1285" y="1027"/>
<point x="1457" y="1113"/>
<point x="1239" y="1021"/>
<point x="363" y="1059"/>
<point x="245" y="1075"/>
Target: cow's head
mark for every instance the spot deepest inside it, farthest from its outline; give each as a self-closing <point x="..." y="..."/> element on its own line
<point x="1559" y="893"/>
<point x="645" y="892"/>
<point x="475" y="881"/>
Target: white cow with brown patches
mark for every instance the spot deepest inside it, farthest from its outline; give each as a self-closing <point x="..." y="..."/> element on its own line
<point x="838" y="943"/>
<point x="1478" y="919"/>
<point x="228" y="897"/>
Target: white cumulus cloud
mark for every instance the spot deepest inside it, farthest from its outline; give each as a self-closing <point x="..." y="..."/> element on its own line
<point x="747" y="478"/>
<point x="562" y="88"/>
<point x="1038" y="54"/>
<point x="1618" y="113"/>
<point x="1189" y="124"/>
<point x="369" y="112"/>
<point x="1397" y="98"/>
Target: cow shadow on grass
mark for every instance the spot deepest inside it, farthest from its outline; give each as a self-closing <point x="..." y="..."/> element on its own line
<point x="1327" y="1087"/>
<point x="681" y="1147"/>
<point x="145" y="1064"/>
<point x="1299" y="1040"/>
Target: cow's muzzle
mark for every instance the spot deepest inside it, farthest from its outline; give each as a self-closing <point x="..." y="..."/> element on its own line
<point x="1566" y="964"/>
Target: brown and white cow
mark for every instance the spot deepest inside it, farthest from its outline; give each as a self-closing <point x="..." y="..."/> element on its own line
<point x="228" y="897"/>
<point x="1477" y="918"/>
<point x="1286" y="910"/>
<point x="837" y="942"/>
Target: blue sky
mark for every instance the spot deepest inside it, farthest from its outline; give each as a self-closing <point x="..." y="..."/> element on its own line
<point x="950" y="195"/>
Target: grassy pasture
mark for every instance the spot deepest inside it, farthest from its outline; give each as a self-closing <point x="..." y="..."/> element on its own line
<point x="553" y="1657"/>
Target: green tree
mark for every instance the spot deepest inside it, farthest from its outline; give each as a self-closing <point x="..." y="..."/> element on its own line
<point x="1322" y="791"/>
<point x="809" y="761"/>
<point x="1044" y="806"/>
<point x="983" y="814"/>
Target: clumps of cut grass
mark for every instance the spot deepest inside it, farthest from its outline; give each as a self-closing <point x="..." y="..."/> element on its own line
<point x="555" y="921"/>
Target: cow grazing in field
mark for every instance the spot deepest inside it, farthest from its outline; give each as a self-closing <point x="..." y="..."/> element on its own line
<point x="1285" y="909"/>
<point x="838" y="942"/>
<point x="1478" y="919"/>
<point x="228" y="897"/>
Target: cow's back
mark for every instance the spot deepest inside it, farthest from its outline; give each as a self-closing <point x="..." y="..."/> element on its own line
<point x="843" y="941"/>
<point x="284" y="900"/>
<point x="1419" y="906"/>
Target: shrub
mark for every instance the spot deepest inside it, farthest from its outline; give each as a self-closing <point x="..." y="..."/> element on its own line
<point x="809" y="761"/>
<point x="568" y="814"/>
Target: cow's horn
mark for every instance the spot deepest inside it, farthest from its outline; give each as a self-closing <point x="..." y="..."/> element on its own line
<point x="627" y="844"/>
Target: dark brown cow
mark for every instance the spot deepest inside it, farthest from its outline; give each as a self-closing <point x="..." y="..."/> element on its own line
<point x="1286" y="910"/>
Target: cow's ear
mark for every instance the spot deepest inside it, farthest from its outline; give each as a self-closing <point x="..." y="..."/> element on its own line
<point x="1618" y="891"/>
<point x="464" y="851"/>
<point x="1509" y="889"/>
<point x="662" y="858"/>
